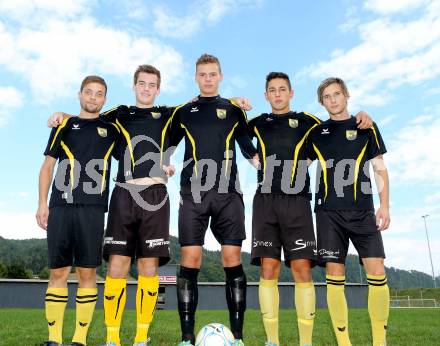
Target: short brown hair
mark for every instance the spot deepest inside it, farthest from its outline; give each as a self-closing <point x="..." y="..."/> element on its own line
<point x="326" y="82"/>
<point x="93" y="79"/>
<point x="281" y="75"/>
<point x="208" y="59"/>
<point x="147" y="69"/>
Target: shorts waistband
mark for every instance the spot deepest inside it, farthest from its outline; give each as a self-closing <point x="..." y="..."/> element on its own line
<point x="136" y="187"/>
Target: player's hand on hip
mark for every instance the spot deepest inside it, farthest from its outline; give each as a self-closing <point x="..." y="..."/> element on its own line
<point x="42" y="216"/>
<point x="55" y="119"/>
<point x="363" y="120"/>
<point x="383" y="218"/>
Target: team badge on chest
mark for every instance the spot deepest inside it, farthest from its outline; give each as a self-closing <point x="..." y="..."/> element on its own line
<point x="351" y="135"/>
<point x="221" y="113"/>
<point x="102" y="132"/>
<point x="293" y="123"/>
<point x="156" y="115"/>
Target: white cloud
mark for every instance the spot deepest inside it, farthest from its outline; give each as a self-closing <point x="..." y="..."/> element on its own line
<point x="388" y="7"/>
<point x="200" y="14"/>
<point x="409" y="253"/>
<point x="20" y="225"/>
<point x="37" y="11"/>
<point x="385" y="121"/>
<point x="390" y="54"/>
<point x="352" y="21"/>
<point x="233" y="86"/>
<point x="421" y="119"/>
<point x="412" y="156"/>
<point x="10" y="99"/>
<point x="21" y="194"/>
<point x="55" y="57"/>
<point x="433" y="198"/>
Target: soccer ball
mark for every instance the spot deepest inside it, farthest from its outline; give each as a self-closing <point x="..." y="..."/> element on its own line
<point x="214" y="334"/>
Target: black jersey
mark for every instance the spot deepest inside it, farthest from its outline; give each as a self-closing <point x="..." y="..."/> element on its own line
<point x="142" y="146"/>
<point x="211" y="126"/>
<point x="344" y="151"/>
<point x="83" y="148"/>
<point x="282" y="151"/>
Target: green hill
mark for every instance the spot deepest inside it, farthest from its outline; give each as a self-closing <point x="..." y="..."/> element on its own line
<point x="32" y="255"/>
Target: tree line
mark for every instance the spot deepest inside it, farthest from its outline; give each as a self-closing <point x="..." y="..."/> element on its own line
<point x="27" y="259"/>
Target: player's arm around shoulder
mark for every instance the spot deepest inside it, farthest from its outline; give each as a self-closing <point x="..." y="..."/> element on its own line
<point x="45" y="179"/>
<point x="57" y="118"/>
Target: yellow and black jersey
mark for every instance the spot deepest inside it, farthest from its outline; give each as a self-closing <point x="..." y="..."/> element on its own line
<point x="343" y="152"/>
<point x="211" y="126"/>
<point x="83" y="148"/>
<point x="282" y="151"/>
<point x="142" y="148"/>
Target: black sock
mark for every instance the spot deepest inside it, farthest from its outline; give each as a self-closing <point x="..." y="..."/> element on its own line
<point x="187" y="297"/>
<point x="236" y="298"/>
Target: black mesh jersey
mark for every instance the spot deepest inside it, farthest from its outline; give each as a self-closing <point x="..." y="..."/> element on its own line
<point x="282" y="151"/>
<point x="343" y="152"/>
<point x="211" y="126"/>
<point x="83" y="148"/>
<point x="142" y="148"/>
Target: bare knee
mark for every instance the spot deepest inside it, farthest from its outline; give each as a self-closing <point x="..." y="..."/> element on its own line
<point x="58" y="277"/>
<point x="118" y="266"/>
<point x="270" y="268"/>
<point x="374" y="266"/>
<point x="148" y="266"/>
<point x="335" y="269"/>
<point x="231" y="255"/>
<point x="86" y="277"/>
<point x="191" y="256"/>
<point x="301" y="270"/>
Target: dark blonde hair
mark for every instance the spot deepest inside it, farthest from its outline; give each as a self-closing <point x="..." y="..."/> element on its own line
<point x="208" y="59"/>
<point x="147" y="69"/>
<point x="326" y="82"/>
<point x="93" y="79"/>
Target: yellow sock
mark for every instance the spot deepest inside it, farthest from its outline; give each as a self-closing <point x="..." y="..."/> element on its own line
<point x="337" y="306"/>
<point x="305" y="302"/>
<point x="114" y="304"/>
<point x="85" y="306"/>
<point x="269" y="305"/>
<point x="55" y="301"/>
<point x="378" y="307"/>
<point x="146" y="298"/>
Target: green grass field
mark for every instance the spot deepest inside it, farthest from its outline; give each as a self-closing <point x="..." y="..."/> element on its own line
<point x="27" y="327"/>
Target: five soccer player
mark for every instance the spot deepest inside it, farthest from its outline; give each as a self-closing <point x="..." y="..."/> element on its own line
<point x="138" y="223"/>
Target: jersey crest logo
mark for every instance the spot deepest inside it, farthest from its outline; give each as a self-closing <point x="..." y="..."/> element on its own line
<point x="351" y="135"/>
<point x="102" y="132"/>
<point x="156" y="115"/>
<point x="221" y="113"/>
<point x="293" y="123"/>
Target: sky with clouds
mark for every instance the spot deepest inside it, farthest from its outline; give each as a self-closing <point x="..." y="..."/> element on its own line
<point x="388" y="52"/>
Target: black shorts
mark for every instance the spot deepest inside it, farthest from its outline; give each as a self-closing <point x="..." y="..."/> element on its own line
<point x="282" y="221"/>
<point x="226" y="211"/>
<point x="74" y="236"/>
<point x="336" y="227"/>
<point x="139" y="230"/>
